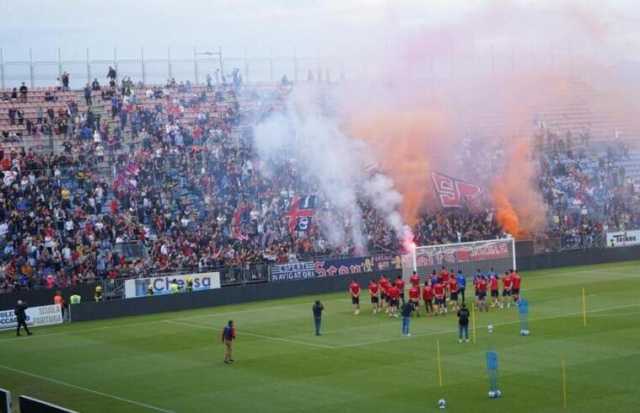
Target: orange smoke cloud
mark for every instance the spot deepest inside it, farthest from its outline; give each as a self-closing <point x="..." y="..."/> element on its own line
<point x="520" y="210"/>
<point x="406" y="143"/>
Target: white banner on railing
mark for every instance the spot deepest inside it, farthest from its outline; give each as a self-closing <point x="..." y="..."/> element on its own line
<point x="623" y="238"/>
<point x="36" y="316"/>
<point x="162" y="285"/>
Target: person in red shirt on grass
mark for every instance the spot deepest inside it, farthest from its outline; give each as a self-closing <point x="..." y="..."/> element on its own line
<point x="444" y="277"/>
<point x="441" y="301"/>
<point x="394" y="300"/>
<point x="427" y="296"/>
<point x="414" y="298"/>
<point x="414" y="280"/>
<point x="507" y="285"/>
<point x="354" y="290"/>
<point x="495" y="290"/>
<point x="384" y="298"/>
<point x="374" y="289"/>
<point x="515" y="277"/>
<point x="399" y="284"/>
<point x="453" y="293"/>
<point x="482" y="293"/>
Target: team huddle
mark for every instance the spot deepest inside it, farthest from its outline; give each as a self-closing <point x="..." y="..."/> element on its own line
<point x="440" y="292"/>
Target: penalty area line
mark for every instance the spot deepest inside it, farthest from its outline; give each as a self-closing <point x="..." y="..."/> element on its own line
<point x="73" y="386"/>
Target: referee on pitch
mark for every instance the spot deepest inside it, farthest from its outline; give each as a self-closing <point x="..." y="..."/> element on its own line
<point x="21" y="317"/>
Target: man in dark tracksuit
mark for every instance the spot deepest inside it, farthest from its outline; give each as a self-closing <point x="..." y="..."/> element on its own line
<point x="317" y="315"/>
<point x="21" y="317"/>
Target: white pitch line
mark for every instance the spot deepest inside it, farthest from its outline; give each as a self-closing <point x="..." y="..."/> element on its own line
<point x="434" y="333"/>
<point x="73" y="386"/>
<point x="248" y="333"/>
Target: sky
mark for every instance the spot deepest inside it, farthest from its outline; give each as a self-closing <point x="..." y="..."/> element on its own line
<point x="252" y="27"/>
<point x="347" y="34"/>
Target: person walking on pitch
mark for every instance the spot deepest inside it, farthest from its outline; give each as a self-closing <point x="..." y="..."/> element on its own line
<point x="228" y="335"/>
<point x="317" y="315"/>
<point x="463" y="324"/>
<point x="407" y="309"/>
<point x="21" y="317"/>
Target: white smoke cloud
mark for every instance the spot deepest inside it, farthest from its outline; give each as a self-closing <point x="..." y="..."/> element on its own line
<point x="332" y="164"/>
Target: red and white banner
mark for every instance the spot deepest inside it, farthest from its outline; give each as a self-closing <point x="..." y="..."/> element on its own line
<point x="454" y="193"/>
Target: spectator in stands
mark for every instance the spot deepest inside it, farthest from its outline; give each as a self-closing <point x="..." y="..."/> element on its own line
<point x="111" y="74"/>
<point x="65" y="81"/>
<point x="23" y="92"/>
<point x="12" y="116"/>
<point x="95" y="85"/>
<point x="87" y="94"/>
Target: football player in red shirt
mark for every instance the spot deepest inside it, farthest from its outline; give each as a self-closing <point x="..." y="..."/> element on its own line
<point x="507" y="284"/>
<point x="414" y="298"/>
<point x="453" y="293"/>
<point x="495" y="290"/>
<point x="354" y="290"/>
<point x="374" y="289"/>
<point x="399" y="284"/>
<point x="482" y="293"/>
<point x="516" y="285"/>
<point x="394" y="300"/>
<point x="439" y="293"/>
<point x="414" y="280"/>
<point x="384" y="298"/>
<point x="427" y="296"/>
<point x="444" y="277"/>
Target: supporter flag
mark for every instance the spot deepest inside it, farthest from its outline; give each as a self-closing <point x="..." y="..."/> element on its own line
<point x="454" y="193"/>
<point x="301" y="212"/>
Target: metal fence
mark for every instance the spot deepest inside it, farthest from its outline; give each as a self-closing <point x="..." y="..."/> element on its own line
<point x="157" y="70"/>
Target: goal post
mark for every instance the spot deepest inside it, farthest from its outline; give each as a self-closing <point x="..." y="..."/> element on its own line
<point x="499" y="254"/>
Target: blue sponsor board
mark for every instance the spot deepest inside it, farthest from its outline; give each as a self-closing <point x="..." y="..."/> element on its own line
<point x="343" y="266"/>
<point x="294" y="271"/>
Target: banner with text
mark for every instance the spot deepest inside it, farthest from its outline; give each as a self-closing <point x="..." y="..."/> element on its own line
<point x="162" y="285"/>
<point x="36" y="316"/>
<point x="623" y="238"/>
<point x="343" y="266"/>
<point x="294" y="271"/>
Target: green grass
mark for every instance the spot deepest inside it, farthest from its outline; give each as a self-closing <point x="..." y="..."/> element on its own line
<point x="173" y="361"/>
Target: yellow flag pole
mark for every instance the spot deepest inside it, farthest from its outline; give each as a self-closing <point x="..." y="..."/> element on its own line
<point x="473" y="323"/>
<point x="584" y="307"/>
<point x="439" y="359"/>
<point x="564" y="383"/>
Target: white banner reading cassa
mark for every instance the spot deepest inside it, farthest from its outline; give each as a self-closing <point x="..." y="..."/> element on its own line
<point x="36" y="316"/>
<point x="623" y="238"/>
<point x="139" y="287"/>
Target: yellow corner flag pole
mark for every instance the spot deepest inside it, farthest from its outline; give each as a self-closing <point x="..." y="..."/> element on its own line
<point x="473" y="323"/>
<point x="439" y="362"/>
<point x="584" y="307"/>
<point x="564" y="383"/>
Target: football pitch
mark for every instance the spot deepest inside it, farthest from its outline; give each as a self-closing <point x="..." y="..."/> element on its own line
<point x="172" y="362"/>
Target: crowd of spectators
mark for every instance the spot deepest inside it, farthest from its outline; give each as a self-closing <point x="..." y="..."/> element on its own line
<point x="586" y="190"/>
<point x="171" y="170"/>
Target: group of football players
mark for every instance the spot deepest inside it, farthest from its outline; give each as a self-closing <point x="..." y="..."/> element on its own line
<point x="442" y="291"/>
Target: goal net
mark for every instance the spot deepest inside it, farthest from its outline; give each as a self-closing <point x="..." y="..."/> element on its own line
<point x="499" y="254"/>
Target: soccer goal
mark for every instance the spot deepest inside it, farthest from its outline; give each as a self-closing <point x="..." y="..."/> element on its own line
<point x="499" y="254"/>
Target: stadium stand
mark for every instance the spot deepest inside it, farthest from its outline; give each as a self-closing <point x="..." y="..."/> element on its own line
<point x="125" y="179"/>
